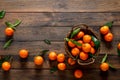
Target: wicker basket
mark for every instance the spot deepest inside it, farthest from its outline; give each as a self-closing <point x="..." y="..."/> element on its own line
<point x="86" y="30"/>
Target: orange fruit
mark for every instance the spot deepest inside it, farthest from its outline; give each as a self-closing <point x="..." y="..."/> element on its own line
<point x="78" y="73"/>
<point x="81" y="42"/>
<point x="71" y="61"/>
<point x="118" y="46"/>
<point x="61" y="57"/>
<point x="6" y="66"/>
<point x="92" y="44"/>
<point x="70" y="44"/>
<point x="83" y="56"/>
<point x="104" y="66"/>
<point x="108" y="37"/>
<point x="61" y="66"/>
<point x="87" y="38"/>
<point x="52" y="55"/>
<point x="80" y="34"/>
<point x="104" y="30"/>
<point x="86" y="47"/>
<point x="75" y="51"/>
<point x="9" y="31"/>
<point x="38" y="60"/>
<point x="23" y="53"/>
<point x="92" y="51"/>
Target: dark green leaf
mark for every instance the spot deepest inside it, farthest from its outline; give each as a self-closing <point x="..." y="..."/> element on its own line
<point x="104" y="58"/>
<point x="111" y="66"/>
<point x="118" y="52"/>
<point x="73" y="41"/>
<point x="43" y="52"/>
<point x="7" y="58"/>
<point x="74" y="32"/>
<point x="2" y="14"/>
<point x="7" y="44"/>
<point x="91" y="55"/>
<point x="47" y="41"/>
<point x="96" y="42"/>
<point x="8" y="24"/>
<point x="17" y="23"/>
<point x="53" y="69"/>
<point x="109" y="24"/>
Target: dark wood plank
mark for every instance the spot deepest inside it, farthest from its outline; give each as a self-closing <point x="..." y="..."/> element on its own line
<point x="27" y="5"/>
<point x="60" y="6"/>
<point x="68" y="74"/>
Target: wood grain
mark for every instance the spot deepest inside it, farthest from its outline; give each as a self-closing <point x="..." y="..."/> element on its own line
<point x="60" y="6"/>
<point x="46" y="75"/>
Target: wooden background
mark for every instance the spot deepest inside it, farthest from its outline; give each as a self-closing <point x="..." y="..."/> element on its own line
<point x="52" y="19"/>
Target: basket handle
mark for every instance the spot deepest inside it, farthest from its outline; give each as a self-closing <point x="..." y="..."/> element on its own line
<point x="82" y="63"/>
<point x="80" y="26"/>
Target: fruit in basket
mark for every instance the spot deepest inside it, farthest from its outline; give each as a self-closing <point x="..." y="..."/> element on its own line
<point x="83" y="56"/>
<point x="85" y="44"/>
<point x="86" y="38"/>
<point x="70" y="44"/>
<point x="52" y="55"/>
<point x="60" y="57"/>
<point x="23" y="53"/>
<point x="38" y="60"/>
<point x="6" y="66"/>
<point x="78" y="73"/>
<point x="75" y="51"/>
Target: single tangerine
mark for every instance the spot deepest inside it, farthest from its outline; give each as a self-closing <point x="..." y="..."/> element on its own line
<point x="38" y="60"/>
<point x="75" y="51"/>
<point x="71" y="61"/>
<point x="9" y="31"/>
<point x="104" y="30"/>
<point x="83" y="56"/>
<point x="61" y="66"/>
<point x="52" y="56"/>
<point x="61" y="57"/>
<point x="108" y="37"/>
<point x="92" y="44"/>
<point x="86" y="47"/>
<point x="86" y="38"/>
<point x="104" y="66"/>
<point x="92" y="51"/>
<point x="81" y="42"/>
<point x="78" y="73"/>
<point x="80" y="34"/>
<point x="6" y="66"/>
<point x="23" y="53"/>
<point x="70" y="44"/>
<point x="118" y="46"/>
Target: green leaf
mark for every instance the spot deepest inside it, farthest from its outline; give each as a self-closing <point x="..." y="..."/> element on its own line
<point x="7" y="44"/>
<point x="118" y="51"/>
<point x="109" y="24"/>
<point x="111" y="66"/>
<point x="104" y="58"/>
<point x="96" y="42"/>
<point x="47" y="41"/>
<point x="17" y="23"/>
<point x="53" y="69"/>
<point x="74" y="32"/>
<point x="43" y="52"/>
<point x="91" y="55"/>
<point x="2" y="14"/>
<point x="7" y="58"/>
<point x="73" y="41"/>
<point x="8" y="24"/>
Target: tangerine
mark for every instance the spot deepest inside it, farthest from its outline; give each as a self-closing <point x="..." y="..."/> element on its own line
<point x="104" y="66"/>
<point x="61" y="66"/>
<point x="23" y="53"/>
<point x="38" y="60"/>
<point x="9" y="31"/>
<point x="61" y="57"/>
<point x="83" y="56"/>
<point x="104" y="30"/>
<point x="75" y="51"/>
<point x="108" y="37"/>
<point x="87" y="38"/>
<point x="6" y="66"/>
<point x="86" y="47"/>
<point x="52" y="56"/>
<point x="78" y="73"/>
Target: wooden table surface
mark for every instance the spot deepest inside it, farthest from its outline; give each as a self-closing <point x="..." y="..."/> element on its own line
<point x="52" y="19"/>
